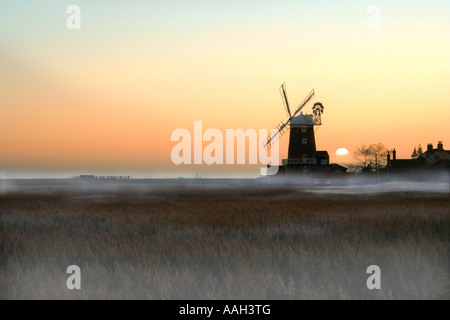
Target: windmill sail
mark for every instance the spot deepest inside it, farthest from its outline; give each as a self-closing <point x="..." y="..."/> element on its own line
<point x="282" y="127"/>
<point x="304" y="102"/>
<point x="285" y="99"/>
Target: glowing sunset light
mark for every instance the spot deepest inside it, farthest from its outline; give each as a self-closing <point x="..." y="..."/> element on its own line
<point x="106" y="97"/>
<point x="341" y="152"/>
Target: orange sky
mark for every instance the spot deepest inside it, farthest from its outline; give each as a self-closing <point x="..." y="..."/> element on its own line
<point x="106" y="98"/>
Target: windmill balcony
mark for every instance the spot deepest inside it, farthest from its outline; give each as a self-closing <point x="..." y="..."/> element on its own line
<point x="286" y="162"/>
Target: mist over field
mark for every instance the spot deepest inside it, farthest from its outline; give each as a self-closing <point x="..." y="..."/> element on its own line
<point x="211" y="239"/>
<point x="438" y="182"/>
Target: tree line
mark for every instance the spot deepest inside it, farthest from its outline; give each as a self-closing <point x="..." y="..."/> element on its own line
<point x="370" y="158"/>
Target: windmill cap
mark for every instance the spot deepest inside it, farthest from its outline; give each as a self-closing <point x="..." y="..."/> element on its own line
<point x="318" y="104"/>
<point x="302" y="119"/>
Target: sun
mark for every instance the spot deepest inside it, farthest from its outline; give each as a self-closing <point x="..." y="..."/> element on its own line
<point x="341" y="152"/>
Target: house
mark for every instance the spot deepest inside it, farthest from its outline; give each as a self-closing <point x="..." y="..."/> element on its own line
<point x="336" y="168"/>
<point x="432" y="158"/>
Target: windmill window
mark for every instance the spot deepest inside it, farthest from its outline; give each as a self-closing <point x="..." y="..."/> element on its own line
<point x="304" y="140"/>
<point x="303" y="129"/>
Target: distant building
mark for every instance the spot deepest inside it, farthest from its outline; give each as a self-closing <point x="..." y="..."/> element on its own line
<point x="87" y="177"/>
<point x="336" y="168"/>
<point x="432" y="158"/>
<point x="91" y="177"/>
<point x="436" y="158"/>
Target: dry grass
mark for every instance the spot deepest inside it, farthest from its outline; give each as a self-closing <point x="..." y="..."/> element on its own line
<point x="225" y="244"/>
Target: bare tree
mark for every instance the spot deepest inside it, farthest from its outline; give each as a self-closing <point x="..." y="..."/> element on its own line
<point x="362" y="155"/>
<point x="370" y="158"/>
<point x="379" y="152"/>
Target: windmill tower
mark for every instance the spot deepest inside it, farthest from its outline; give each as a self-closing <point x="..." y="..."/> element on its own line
<point x="302" y="154"/>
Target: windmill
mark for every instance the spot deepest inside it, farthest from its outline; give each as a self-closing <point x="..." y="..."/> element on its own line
<point x="302" y="145"/>
<point x="282" y="126"/>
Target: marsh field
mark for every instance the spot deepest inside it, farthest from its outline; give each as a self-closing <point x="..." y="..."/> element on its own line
<point x="229" y="242"/>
